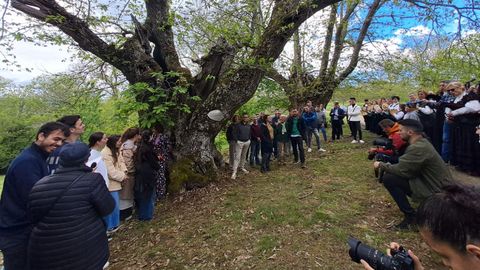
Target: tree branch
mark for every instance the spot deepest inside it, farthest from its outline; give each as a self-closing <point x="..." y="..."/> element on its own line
<point x="159" y="24"/>
<point x="213" y="65"/>
<point x="361" y="37"/>
<point x="328" y="40"/>
<point x="130" y="59"/>
<point x="273" y="74"/>
<point x="340" y="37"/>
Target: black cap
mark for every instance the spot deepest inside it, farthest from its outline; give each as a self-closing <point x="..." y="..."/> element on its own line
<point x="74" y="154"/>
<point x="413" y="124"/>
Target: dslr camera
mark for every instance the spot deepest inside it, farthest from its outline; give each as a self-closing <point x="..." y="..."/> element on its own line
<point x="400" y="260"/>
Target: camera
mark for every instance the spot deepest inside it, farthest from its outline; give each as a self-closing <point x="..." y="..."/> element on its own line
<point x="400" y="260"/>
<point x="383" y="142"/>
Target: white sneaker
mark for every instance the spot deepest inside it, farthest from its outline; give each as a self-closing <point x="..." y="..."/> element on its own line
<point x="309" y="150"/>
<point x="322" y="150"/>
<point x="234" y="176"/>
<point x="245" y="170"/>
<point x="354" y="141"/>
<point x="362" y="141"/>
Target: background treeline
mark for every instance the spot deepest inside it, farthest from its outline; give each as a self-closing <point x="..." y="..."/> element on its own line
<point x="101" y="103"/>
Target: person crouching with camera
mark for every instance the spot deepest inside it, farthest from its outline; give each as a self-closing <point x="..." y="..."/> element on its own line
<point x="448" y="223"/>
<point x="419" y="173"/>
<point x="395" y="149"/>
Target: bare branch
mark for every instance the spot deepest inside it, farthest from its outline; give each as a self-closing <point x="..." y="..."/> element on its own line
<point x="328" y="40"/>
<point x="361" y="37"/>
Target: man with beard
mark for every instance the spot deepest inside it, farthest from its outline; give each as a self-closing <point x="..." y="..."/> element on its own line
<point x="24" y="171"/>
<point x="419" y="173"/>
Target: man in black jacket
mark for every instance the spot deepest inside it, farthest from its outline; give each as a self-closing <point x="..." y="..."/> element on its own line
<point x="296" y="132"/>
<point x="24" y="171"/>
<point x="66" y="209"/>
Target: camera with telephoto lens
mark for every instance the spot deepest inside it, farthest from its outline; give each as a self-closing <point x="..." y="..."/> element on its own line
<point x="400" y="260"/>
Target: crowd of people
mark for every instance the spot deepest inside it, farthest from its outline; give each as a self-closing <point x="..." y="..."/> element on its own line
<point x="62" y="193"/>
<point x="450" y="119"/>
<point x="261" y="138"/>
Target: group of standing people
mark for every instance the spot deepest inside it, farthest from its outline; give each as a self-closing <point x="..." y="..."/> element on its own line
<point x="450" y="120"/>
<point x="63" y="199"/>
<point x="261" y="138"/>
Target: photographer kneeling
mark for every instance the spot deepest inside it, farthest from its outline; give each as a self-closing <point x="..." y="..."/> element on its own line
<point x="397" y="148"/>
<point x="419" y="173"/>
<point x="448" y="223"/>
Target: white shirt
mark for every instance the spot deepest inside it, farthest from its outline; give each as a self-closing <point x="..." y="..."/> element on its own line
<point x="354" y="112"/>
<point x="473" y="106"/>
<point x="96" y="156"/>
<point x="394" y="106"/>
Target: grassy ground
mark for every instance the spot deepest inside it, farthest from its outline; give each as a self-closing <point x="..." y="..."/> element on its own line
<point x="287" y="219"/>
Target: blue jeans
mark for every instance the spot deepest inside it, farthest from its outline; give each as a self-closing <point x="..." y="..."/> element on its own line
<point x="113" y="220"/>
<point x="145" y="204"/>
<point x="254" y="151"/>
<point x="310" y="132"/>
<point x="446" y="142"/>
<point x="324" y="133"/>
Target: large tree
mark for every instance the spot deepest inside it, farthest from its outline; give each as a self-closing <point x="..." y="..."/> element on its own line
<point x="350" y="25"/>
<point x="148" y="58"/>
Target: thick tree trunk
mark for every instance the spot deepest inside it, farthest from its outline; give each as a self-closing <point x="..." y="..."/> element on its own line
<point x="197" y="161"/>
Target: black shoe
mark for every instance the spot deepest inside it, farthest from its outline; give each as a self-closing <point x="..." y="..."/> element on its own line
<point x="408" y="223"/>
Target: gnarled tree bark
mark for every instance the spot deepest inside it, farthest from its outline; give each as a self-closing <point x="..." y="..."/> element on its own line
<point x="193" y="133"/>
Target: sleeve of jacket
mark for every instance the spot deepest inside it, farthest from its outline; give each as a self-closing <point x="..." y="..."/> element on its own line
<point x="397" y="141"/>
<point x="100" y="197"/>
<point x="112" y="171"/>
<point x="128" y="155"/>
<point x="28" y="172"/>
<point x="409" y="164"/>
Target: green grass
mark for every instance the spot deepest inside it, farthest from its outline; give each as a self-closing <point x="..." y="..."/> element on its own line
<point x="286" y="219"/>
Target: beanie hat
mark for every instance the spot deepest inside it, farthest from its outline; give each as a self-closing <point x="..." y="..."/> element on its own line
<point x="74" y="154"/>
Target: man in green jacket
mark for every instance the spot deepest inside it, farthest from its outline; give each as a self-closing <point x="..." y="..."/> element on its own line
<point x="419" y="173"/>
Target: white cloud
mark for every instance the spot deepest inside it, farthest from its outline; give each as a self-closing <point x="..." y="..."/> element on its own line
<point x="41" y="60"/>
<point x="416" y="31"/>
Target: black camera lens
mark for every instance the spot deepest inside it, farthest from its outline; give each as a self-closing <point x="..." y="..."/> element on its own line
<point x="376" y="259"/>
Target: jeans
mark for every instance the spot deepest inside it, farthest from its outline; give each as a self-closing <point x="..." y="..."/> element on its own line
<point x="145" y="204"/>
<point x="355" y="129"/>
<point x="337" y="129"/>
<point x="254" y="151"/>
<point x="446" y="142"/>
<point x="399" y="189"/>
<point x="324" y="133"/>
<point x="113" y="220"/>
<point x="313" y="131"/>
<point x="266" y="162"/>
<point x="297" y="145"/>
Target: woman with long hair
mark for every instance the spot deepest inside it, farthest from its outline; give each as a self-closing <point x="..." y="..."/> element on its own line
<point x="116" y="171"/>
<point x="129" y="140"/>
<point x="146" y="165"/>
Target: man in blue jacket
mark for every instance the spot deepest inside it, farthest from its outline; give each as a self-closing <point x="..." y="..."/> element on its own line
<point x="24" y="171"/>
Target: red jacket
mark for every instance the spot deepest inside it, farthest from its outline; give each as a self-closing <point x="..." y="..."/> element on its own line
<point x="397" y="142"/>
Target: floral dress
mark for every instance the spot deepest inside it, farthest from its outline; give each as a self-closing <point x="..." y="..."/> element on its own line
<point x="161" y="147"/>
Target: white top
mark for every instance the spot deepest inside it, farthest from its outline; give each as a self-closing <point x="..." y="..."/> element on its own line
<point x="394" y="106"/>
<point x="399" y="115"/>
<point x="473" y="106"/>
<point x="101" y="168"/>
<point x="354" y="112"/>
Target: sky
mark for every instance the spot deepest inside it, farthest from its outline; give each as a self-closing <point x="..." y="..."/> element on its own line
<point x="53" y="59"/>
